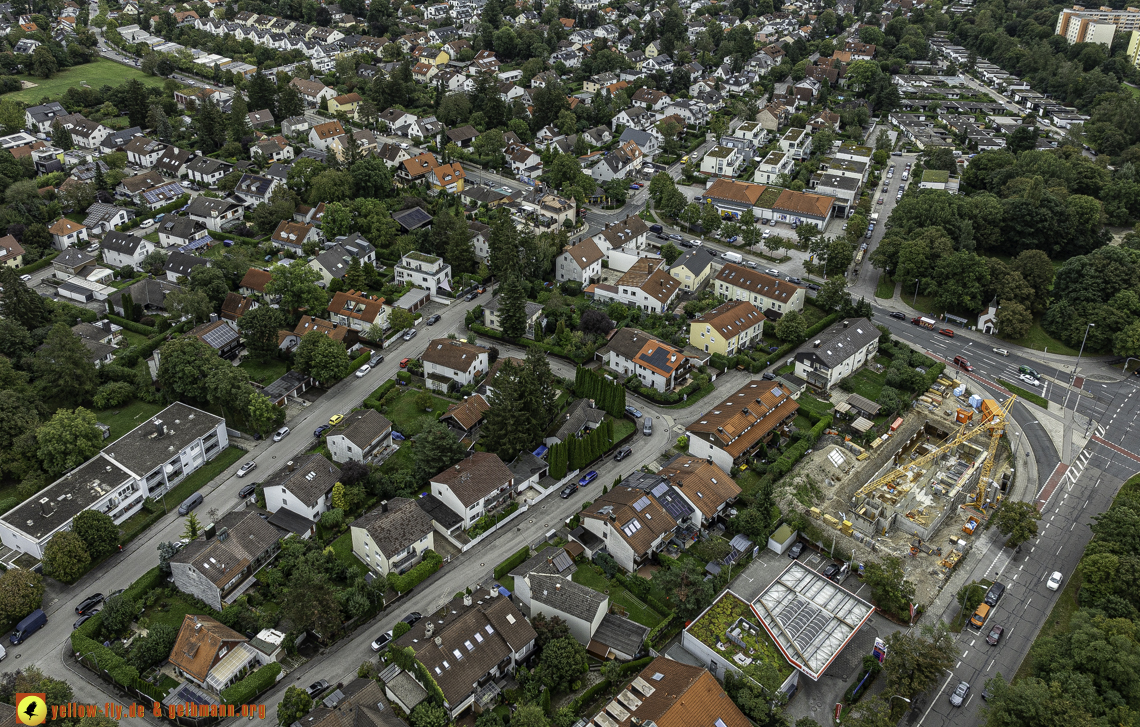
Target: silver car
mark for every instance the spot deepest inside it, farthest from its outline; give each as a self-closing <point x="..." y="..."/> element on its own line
<point x="958" y="698"/>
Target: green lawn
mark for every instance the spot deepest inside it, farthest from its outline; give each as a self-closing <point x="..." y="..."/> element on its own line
<point x="638" y="611"/>
<point x="1027" y="395"/>
<point x="264" y="372"/>
<point x="172" y="608"/>
<point x="1039" y="340"/>
<point x="814" y="405"/>
<point x="623" y="427"/>
<point x="885" y="287"/>
<point x="342" y="547"/>
<point x="126" y="418"/>
<point x="98" y="73"/>
<point x="403" y="412"/>
<point x="200" y="477"/>
<point x="813" y="314"/>
<point x="867" y="383"/>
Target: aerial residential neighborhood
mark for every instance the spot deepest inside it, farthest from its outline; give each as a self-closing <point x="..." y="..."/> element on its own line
<point x="590" y="364"/>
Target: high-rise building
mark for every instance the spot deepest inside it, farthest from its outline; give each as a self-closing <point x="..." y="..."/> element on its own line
<point x="1082" y="25"/>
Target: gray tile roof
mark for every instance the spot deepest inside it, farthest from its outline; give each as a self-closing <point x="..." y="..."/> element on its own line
<point x="363" y="427"/>
<point x="621" y="634"/>
<point x="579" y="414"/>
<point x="840" y="341"/>
<point x="401" y="526"/>
<point x="542" y="564"/>
<point x="566" y="596"/>
<point x="312" y="476"/>
<point x="218" y="558"/>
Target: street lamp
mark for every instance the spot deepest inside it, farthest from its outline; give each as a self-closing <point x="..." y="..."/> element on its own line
<point x="1073" y="379"/>
<point x="916" y="291"/>
<point x="896" y="696"/>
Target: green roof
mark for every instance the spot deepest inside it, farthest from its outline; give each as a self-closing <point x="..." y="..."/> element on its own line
<point x="769" y="197"/>
<point x="936" y="176"/>
<point x="422" y="257"/>
<point x="782" y="534"/>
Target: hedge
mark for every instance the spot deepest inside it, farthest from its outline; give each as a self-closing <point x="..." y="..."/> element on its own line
<point x="246" y="690"/>
<point x="361" y="360"/>
<point x="498" y="336"/>
<point x="512" y="562"/>
<point x="636" y="665"/>
<point x="661" y="628"/>
<point x="588" y="696"/>
<point x="406" y="582"/>
<point x="138" y="328"/>
<point x="38" y="264"/>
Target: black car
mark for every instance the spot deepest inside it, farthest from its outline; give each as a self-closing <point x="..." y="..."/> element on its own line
<point x="412" y="617"/>
<point x="87" y="605"/>
<point x="317" y="687"/>
<point x="247" y="491"/>
<point x="320" y="430"/>
<point x="432" y="320"/>
<point x="84" y="617"/>
<point x="796" y="551"/>
<point x="686" y="243"/>
<point x="622" y="453"/>
<point x="568" y="490"/>
<point x="471" y="296"/>
<point x="900" y="316"/>
<point x="812" y="286"/>
<point x="769" y="376"/>
<point x="795" y="281"/>
<point x="662" y="237"/>
<point x="994" y="594"/>
<point x="831" y="572"/>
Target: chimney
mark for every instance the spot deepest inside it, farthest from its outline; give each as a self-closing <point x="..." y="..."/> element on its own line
<point x="223" y="533"/>
<point x="197" y="623"/>
<point x="558" y="586"/>
<point x="383" y="506"/>
<point x="439" y="642"/>
<point x="290" y="465"/>
<point x="159" y="428"/>
<point x="45" y="507"/>
<point x="846" y="323"/>
<point x="429" y="629"/>
<point x="467" y="599"/>
<point x="210" y="530"/>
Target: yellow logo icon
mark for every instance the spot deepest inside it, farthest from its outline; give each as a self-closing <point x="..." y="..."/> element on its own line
<point x="31" y="709"/>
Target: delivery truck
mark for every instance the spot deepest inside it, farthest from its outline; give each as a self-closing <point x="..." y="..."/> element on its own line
<point x="925" y="322"/>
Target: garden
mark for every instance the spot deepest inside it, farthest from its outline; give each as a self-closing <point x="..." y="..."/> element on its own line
<point x="732" y="630"/>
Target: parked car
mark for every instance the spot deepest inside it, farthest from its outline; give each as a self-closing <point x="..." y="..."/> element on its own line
<point x="813" y="287"/>
<point x="900" y="316"/>
<point x="796" y="551"/>
<point x="471" y="296"/>
<point x="377" y="358"/>
<point x="247" y="468"/>
<point x="247" y="491"/>
<point x="750" y="264"/>
<point x="363" y="371"/>
<point x="412" y="617"/>
<point x="795" y="281"/>
<point x="317" y="687"/>
<point x="1001" y="352"/>
<point x="25" y="277"/>
<point x="280" y="434"/>
<point x="382" y="641"/>
<point x="84" y="617"/>
<point x="995" y="635"/>
<point x="336" y="419"/>
<point x="410" y="334"/>
<point x="773" y="271"/>
<point x="568" y="490"/>
<point x="685" y="243"/>
<point x="622" y="453"/>
<point x="675" y="236"/>
<point x="1054" y="581"/>
<point x="404" y="362"/>
<point x="433" y="319"/>
<point x="88" y="604"/>
<point x="661" y="236"/>
<point x="947" y="332"/>
<point x="958" y="698"/>
<point x="768" y="376"/>
<point x="321" y="430"/>
<point x="588" y="478"/>
<point x="831" y="572"/>
<point x="647" y="427"/>
<point x="732" y="239"/>
<point x="633" y="412"/>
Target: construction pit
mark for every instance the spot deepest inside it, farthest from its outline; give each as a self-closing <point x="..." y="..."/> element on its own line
<point x="916" y="494"/>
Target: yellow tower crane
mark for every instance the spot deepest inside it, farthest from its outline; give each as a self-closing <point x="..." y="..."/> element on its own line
<point x="994" y="420"/>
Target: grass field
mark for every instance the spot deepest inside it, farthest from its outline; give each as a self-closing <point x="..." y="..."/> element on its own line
<point x="638" y="611"/>
<point x="98" y="73"/>
<point x="177" y="606"/>
<point x="264" y="372"/>
<point x="403" y="411"/>
<point x="126" y="418"/>
<point x="1024" y="394"/>
<point x="867" y="383"/>
<point x="342" y="547"/>
<point x="1039" y="340"/>
<point x="885" y="288"/>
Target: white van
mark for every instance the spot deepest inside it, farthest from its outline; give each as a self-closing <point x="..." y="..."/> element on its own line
<point x="733" y="257"/>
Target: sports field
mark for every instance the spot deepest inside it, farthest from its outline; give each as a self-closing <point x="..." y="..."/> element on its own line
<point x="101" y="72"/>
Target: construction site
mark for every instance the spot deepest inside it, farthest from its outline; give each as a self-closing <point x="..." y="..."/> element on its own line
<point x="920" y="491"/>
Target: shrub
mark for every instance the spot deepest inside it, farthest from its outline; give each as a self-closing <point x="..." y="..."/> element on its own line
<point x="244" y="691"/>
<point x="131" y="326"/>
<point x="113" y="394"/>
<point x="512" y="562"/>
<point x="406" y="582"/>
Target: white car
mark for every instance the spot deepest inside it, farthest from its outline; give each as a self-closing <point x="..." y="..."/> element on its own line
<point x="246" y="468"/>
<point x="1001" y="352"/>
<point x="362" y="371"/>
<point x="280" y="434"/>
<point x="1030" y="380"/>
<point x="1054" y="581"/>
<point x="146" y="223"/>
<point x="772" y="271"/>
<point x="25" y="277"/>
<point x="767" y="234"/>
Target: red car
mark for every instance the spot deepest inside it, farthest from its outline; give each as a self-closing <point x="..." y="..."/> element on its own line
<point x="404" y="363"/>
<point x="947" y="332"/>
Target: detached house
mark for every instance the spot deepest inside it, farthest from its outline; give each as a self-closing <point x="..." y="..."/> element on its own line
<point x="217" y="563"/>
<point x="393" y="537"/>
<point x="214" y="213"/>
<point x="582" y="262"/>
<point x="303" y="486"/>
<point x="293" y="235"/>
<point x="703" y="485"/>
<point x="357" y="310"/>
<point x="452" y="364"/>
<point x="122" y="250"/>
<point x="202" y="647"/>
<point x="475" y="486"/>
<point x="631" y="352"/>
<point x="358" y="436"/>
<point x="328" y="136"/>
<point x="65" y="234"/>
<point x="631" y="523"/>
<point x="424" y="271"/>
<point x="314" y="93"/>
<point x="837" y="353"/>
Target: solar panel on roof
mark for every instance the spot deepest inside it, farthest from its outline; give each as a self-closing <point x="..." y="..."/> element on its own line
<point x="641" y="504"/>
<point x="659" y="490"/>
<point x="220" y="336"/>
<point x="561" y="561"/>
<point x="188" y="695"/>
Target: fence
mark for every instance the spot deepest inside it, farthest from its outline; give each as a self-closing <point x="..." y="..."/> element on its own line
<point x="522" y="510"/>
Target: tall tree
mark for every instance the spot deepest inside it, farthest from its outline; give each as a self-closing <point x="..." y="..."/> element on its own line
<point x="210" y="125"/>
<point x="918" y="658"/>
<point x="1016" y="520"/>
<point x="66" y="557"/>
<point x="63" y="367"/>
<point x="68" y="440"/>
<point x="437" y="448"/>
<point x="262" y="94"/>
<point x="185" y="365"/>
<point x="296" y="284"/>
<point x="98" y="531"/>
<point x="20" y="303"/>
<point x="21" y="592"/>
<point x="239" y="119"/>
<point x="260" y="327"/>
<point x="512" y="308"/>
<point x="322" y="358"/>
